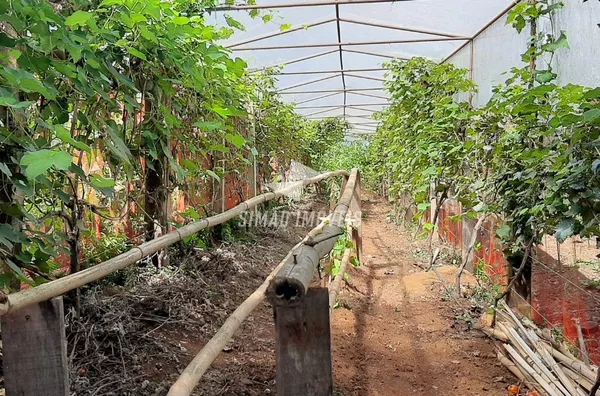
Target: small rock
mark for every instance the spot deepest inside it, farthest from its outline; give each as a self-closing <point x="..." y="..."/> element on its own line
<point x="246" y="381"/>
<point x="145" y="384"/>
<point x="455" y="362"/>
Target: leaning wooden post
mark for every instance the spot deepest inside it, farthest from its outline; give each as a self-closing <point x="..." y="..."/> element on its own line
<point x="35" y="350"/>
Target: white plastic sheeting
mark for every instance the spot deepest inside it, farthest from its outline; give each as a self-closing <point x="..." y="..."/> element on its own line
<point x="343" y="47"/>
<point x="498" y="49"/>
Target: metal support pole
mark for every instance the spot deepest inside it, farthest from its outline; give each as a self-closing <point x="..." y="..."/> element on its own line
<point x="339" y="36"/>
<point x="298" y="4"/>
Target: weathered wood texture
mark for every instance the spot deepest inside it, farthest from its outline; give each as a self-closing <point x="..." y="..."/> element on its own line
<point x="35" y="350"/>
<point x="303" y="346"/>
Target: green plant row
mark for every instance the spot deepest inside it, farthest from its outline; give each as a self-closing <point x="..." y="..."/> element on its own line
<point x="531" y="154"/>
<point x="107" y="104"/>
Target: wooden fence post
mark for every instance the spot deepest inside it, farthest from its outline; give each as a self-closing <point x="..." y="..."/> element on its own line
<point x="35" y="350"/>
<point x="303" y="346"/>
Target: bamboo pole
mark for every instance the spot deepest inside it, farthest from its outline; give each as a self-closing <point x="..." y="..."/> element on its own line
<point x="582" y="346"/>
<point x="529" y="370"/>
<point x="513" y="368"/>
<point x="566" y="381"/>
<point x="538" y="364"/>
<point x="60" y="286"/>
<point x="334" y="288"/>
<point x="494" y="333"/>
<point x="577" y="377"/>
<point x="190" y="377"/>
<point x="576" y="365"/>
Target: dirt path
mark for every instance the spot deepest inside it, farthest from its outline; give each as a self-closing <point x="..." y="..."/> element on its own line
<point x="397" y="334"/>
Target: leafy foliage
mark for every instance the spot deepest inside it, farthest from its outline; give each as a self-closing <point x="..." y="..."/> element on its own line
<point x="139" y="89"/>
<point x="530" y="154"/>
<point x="421" y="141"/>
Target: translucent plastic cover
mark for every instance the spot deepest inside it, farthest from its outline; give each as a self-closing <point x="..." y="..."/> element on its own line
<point x="332" y="55"/>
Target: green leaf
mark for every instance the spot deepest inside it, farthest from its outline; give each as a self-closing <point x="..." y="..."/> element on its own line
<point x="4" y="168"/>
<point x="136" y="53"/>
<point x="285" y="27"/>
<point x="148" y="35"/>
<point x="18" y="272"/>
<point x="234" y="23"/>
<point x="503" y="232"/>
<point x="181" y="20"/>
<point x="38" y="163"/>
<point x="14" y="103"/>
<point x="565" y="229"/>
<point x="591" y="115"/>
<point x="237" y="140"/>
<point x="428" y="226"/>
<point x="8" y="236"/>
<point x="423" y="206"/>
<point x="213" y="175"/>
<point x="209" y="125"/>
<point x="98" y="181"/>
<point x="560" y="42"/>
<point x="78" y="18"/>
<point x="65" y="135"/>
<point x="544" y="77"/>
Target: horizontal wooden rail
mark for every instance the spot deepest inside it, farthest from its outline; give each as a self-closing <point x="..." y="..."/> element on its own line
<point x="190" y="377"/>
<point x="60" y="286"/>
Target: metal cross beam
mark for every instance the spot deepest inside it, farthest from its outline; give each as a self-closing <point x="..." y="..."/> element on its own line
<point x="332" y="90"/>
<point x="298" y="4"/>
<point x="299" y="73"/>
<point x="309" y="82"/>
<point x="402" y="28"/>
<point x="336" y="106"/>
<point x="385" y="42"/>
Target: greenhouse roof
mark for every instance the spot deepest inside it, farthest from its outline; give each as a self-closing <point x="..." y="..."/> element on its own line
<point x="331" y="52"/>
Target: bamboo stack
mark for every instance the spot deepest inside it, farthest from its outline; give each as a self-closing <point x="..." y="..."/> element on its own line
<point x="542" y="364"/>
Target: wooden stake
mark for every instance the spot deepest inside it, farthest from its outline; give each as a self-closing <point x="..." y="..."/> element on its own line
<point x="303" y="346"/>
<point x="35" y="351"/>
<point x="582" y="346"/>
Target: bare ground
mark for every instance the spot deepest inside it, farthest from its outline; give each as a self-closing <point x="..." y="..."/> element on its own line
<point x="402" y="333"/>
<point x="396" y="331"/>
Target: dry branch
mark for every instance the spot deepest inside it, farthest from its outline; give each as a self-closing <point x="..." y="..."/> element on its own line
<point x="472" y="243"/>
